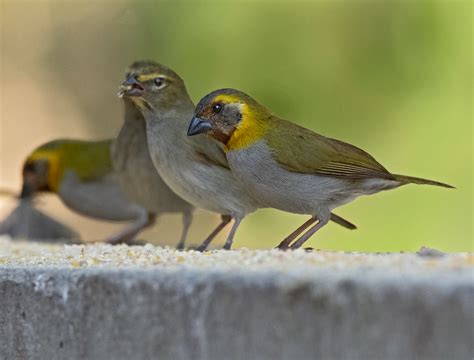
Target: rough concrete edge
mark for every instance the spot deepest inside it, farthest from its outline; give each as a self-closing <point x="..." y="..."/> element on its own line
<point x="462" y="278"/>
<point x="339" y="286"/>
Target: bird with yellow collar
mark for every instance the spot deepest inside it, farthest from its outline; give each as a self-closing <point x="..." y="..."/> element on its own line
<point x="80" y="173"/>
<point x="289" y="167"/>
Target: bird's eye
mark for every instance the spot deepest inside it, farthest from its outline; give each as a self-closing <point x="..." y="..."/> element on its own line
<point x="159" y="82"/>
<point x="216" y="108"/>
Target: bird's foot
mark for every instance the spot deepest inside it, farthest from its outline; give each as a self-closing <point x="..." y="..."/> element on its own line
<point x="201" y="248"/>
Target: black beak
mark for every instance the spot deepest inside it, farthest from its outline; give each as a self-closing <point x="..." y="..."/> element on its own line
<point x="27" y="191"/>
<point x="198" y="126"/>
<point x="131" y="87"/>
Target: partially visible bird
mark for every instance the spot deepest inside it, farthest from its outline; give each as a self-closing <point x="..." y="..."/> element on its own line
<point x="137" y="175"/>
<point x="194" y="168"/>
<point x="289" y="167"/>
<point x="26" y="222"/>
<point x="81" y="174"/>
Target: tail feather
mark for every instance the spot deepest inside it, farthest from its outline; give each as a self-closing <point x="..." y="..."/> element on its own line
<point x="343" y="222"/>
<point x="415" y="180"/>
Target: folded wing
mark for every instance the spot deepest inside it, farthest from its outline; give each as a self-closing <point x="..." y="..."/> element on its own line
<point x="312" y="153"/>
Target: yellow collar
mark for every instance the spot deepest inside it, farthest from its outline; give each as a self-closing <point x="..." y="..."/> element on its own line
<point x="55" y="172"/>
<point x="249" y="130"/>
<point x="247" y="133"/>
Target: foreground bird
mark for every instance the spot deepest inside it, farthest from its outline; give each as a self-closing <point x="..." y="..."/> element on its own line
<point x="137" y="175"/>
<point x="288" y="167"/>
<point x="81" y="174"/>
<point x="194" y="168"/>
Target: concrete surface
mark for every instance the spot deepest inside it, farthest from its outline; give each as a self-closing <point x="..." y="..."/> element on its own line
<point x="104" y="302"/>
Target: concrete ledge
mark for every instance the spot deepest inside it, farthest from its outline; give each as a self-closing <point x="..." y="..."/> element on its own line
<point x="103" y="302"/>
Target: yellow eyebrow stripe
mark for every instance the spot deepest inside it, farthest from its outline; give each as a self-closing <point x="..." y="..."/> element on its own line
<point x="227" y="99"/>
<point x="146" y="77"/>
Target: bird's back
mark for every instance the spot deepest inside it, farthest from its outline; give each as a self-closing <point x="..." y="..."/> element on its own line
<point x="90" y="160"/>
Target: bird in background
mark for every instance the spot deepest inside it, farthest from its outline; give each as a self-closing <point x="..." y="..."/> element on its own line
<point x="80" y="173"/>
<point x="137" y="175"/>
<point x="288" y="167"/>
<point x="26" y="222"/>
<point x="194" y="168"/>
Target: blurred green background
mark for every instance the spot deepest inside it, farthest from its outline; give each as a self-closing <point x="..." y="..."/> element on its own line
<point x="392" y="77"/>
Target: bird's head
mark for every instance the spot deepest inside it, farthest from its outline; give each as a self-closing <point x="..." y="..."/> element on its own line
<point x="231" y="117"/>
<point x="152" y="86"/>
<point x="39" y="173"/>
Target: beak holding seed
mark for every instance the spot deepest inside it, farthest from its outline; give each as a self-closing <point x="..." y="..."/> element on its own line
<point x="198" y="126"/>
<point x="131" y="87"/>
<point x="121" y="93"/>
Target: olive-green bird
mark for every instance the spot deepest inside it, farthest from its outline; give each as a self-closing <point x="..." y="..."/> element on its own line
<point x="81" y="174"/>
<point x="288" y="167"/>
<point x="137" y="175"/>
<point x="194" y="168"/>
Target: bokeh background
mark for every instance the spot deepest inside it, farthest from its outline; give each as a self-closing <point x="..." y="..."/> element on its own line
<point x="392" y="77"/>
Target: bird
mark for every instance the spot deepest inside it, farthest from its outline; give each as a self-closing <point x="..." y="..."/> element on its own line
<point x="194" y="168"/>
<point x="26" y="222"/>
<point x="80" y="173"/>
<point x="137" y="175"/>
<point x="288" y="167"/>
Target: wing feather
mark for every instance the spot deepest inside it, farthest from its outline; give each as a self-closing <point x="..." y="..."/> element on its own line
<point x="317" y="154"/>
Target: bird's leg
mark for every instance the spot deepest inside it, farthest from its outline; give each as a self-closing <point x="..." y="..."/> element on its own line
<point x="225" y="220"/>
<point x="287" y="241"/>
<point x="342" y="222"/>
<point x="297" y="244"/>
<point x="230" y="238"/>
<point x="127" y="235"/>
<point x="187" y="220"/>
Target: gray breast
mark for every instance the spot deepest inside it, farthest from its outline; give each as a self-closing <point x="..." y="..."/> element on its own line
<point x="137" y="175"/>
<point x="205" y="185"/>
